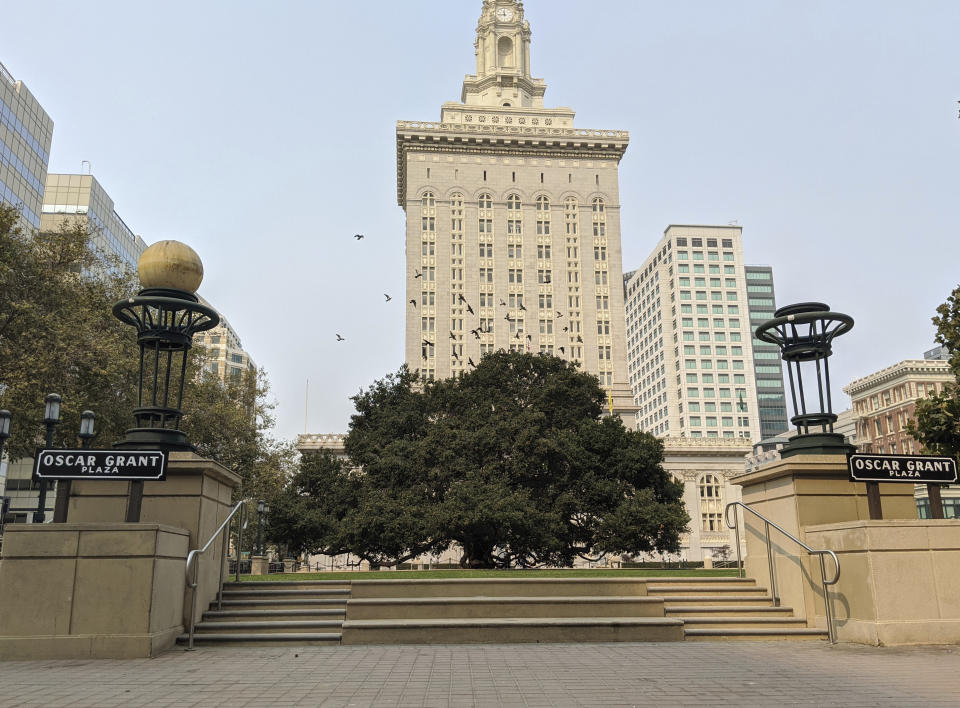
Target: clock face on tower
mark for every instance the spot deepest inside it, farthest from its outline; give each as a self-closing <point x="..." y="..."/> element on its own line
<point x="504" y="14"/>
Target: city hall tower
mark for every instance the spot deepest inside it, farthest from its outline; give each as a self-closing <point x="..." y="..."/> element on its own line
<point x="513" y="222"/>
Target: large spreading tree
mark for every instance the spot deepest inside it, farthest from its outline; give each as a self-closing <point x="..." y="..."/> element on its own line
<point x="58" y="335"/>
<point x="513" y="462"/>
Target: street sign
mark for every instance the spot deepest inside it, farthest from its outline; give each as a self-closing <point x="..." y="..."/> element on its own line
<point x="137" y="465"/>
<point x="915" y="469"/>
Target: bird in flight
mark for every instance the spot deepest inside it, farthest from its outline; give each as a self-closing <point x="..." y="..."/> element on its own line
<point x="461" y="298"/>
<point x="455" y="356"/>
<point x="418" y="274"/>
<point x="413" y="302"/>
<point x="453" y="336"/>
<point x="503" y="304"/>
<point x="475" y="333"/>
<point x="359" y="237"/>
<point x="579" y="339"/>
<point x="547" y="280"/>
<point x="507" y="317"/>
<point x="470" y="362"/>
<point x="340" y="339"/>
<point x="522" y="307"/>
<point x="566" y="329"/>
<point x="470" y="309"/>
<point x="562" y="351"/>
<point x="388" y="297"/>
<point x="516" y="336"/>
<point x="529" y="338"/>
<point x="559" y="314"/>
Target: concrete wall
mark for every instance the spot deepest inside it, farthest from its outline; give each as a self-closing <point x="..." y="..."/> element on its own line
<point x="899" y="581"/>
<point x="196" y="496"/>
<point x="803" y="491"/>
<point x="91" y="590"/>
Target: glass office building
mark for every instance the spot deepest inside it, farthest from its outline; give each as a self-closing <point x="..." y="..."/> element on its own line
<point x="25" y="135"/>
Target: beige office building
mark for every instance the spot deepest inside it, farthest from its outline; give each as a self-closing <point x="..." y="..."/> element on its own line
<point x="513" y="222"/>
<point x="71" y="197"/>
<point x="225" y="355"/>
<point x="688" y="333"/>
<point x="26" y="132"/>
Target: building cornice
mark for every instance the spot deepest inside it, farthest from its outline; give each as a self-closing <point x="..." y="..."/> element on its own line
<point x="915" y="367"/>
<point x="485" y="139"/>
<point x="707" y="447"/>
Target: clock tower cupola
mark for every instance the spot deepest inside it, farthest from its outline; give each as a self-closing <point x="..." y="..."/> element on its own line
<point x="503" y="60"/>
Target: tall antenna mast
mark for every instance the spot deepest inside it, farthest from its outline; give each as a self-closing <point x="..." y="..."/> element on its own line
<point x="306" y="407"/>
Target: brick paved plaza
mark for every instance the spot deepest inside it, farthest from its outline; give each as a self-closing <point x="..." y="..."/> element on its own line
<point x="676" y="674"/>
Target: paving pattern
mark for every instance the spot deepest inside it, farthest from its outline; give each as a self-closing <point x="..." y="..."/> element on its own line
<point x="671" y="674"/>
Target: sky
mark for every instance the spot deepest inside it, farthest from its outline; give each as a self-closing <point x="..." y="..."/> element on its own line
<point x="262" y="134"/>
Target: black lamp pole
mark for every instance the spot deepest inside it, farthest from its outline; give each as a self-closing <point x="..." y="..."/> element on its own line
<point x="4" y="434"/>
<point x="87" y="433"/>
<point x="260" y="505"/>
<point x="51" y="418"/>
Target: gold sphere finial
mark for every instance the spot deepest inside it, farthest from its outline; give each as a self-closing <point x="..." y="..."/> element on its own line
<point x="170" y="264"/>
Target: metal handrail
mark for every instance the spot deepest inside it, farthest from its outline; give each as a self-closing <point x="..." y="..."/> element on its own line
<point x="831" y="629"/>
<point x="194" y="555"/>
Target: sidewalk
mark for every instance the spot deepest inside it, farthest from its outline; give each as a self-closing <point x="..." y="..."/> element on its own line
<point x="731" y="674"/>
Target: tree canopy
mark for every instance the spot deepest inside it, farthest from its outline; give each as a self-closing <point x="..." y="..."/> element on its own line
<point x="512" y="462"/>
<point x="936" y="423"/>
<point x="58" y="335"/>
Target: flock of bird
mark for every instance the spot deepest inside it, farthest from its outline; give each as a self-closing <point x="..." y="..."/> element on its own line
<point x="475" y="332"/>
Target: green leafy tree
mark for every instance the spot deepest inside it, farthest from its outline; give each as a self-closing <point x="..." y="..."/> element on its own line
<point x="58" y="334"/>
<point x="512" y="462"/>
<point x="936" y="422"/>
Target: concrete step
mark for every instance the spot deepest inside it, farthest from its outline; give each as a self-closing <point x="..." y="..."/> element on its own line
<point x="513" y="630"/>
<point x="285" y="604"/>
<point x="697" y="580"/>
<point x="503" y="607"/>
<point x="272" y="615"/>
<point x="265" y="593"/>
<point x="499" y="587"/>
<point x="754" y="634"/>
<point x="671" y="591"/>
<point x="271" y="627"/>
<point x="291" y="585"/>
<point x="725" y="610"/>
<point x="254" y="640"/>
<point x="728" y="623"/>
<point x="680" y="601"/>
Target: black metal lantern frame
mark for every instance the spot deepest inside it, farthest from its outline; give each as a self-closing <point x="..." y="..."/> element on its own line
<point x="804" y="333"/>
<point x="166" y="321"/>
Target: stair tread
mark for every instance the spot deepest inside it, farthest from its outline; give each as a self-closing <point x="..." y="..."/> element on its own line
<point x="269" y="625"/>
<point x="511" y="621"/>
<point x="286" y="601"/>
<point x="293" y="637"/>
<point x="712" y="598"/>
<point x="493" y="599"/>
<point x="756" y="631"/>
<point x="744" y="620"/>
<point x="288" y="583"/>
<point x="273" y="613"/>
<point x="660" y="588"/>
<point x="286" y="593"/>
<point x="726" y="608"/>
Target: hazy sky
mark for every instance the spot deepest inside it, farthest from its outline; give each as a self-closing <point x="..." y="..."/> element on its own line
<point x="262" y="134"/>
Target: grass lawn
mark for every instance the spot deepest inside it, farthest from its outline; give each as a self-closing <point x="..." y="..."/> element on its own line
<point x="432" y="574"/>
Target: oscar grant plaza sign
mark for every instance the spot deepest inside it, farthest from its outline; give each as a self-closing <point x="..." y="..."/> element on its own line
<point x="916" y="469"/>
<point x="135" y="465"/>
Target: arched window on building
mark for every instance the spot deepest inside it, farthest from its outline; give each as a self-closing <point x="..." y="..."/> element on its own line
<point x="543" y="216"/>
<point x="711" y="504"/>
<point x="485" y="201"/>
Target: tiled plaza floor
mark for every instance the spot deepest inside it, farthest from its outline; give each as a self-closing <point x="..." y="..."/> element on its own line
<point x="679" y="674"/>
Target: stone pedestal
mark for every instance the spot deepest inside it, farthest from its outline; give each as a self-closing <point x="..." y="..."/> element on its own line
<point x="91" y="591"/>
<point x="288" y="565"/>
<point x="259" y="565"/>
<point x="899" y="581"/>
<point x="195" y="496"/>
<point x="797" y="493"/>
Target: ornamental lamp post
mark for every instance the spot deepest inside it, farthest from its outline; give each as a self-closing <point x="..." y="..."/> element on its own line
<point x="51" y="418"/>
<point x="86" y="434"/>
<point x="4" y="434"/>
<point x="804" y="333"/>
<point x="166" y="314"/>
<point x="260" y="507"/>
